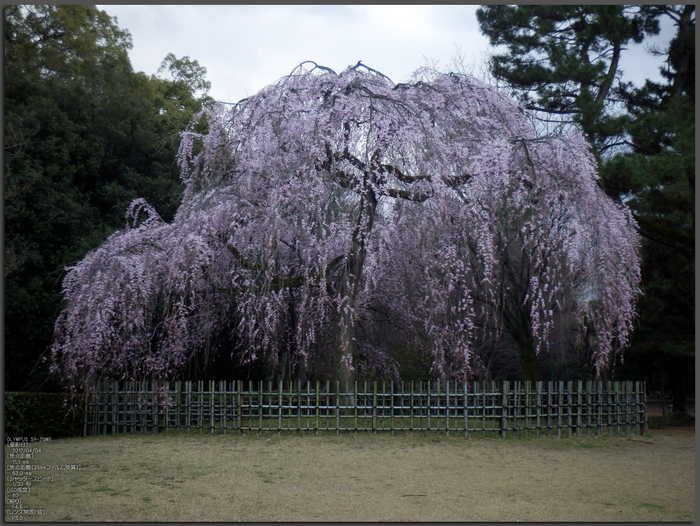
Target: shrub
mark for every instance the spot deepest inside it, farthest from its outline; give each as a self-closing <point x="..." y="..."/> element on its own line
<point x="42" y="415"/>
<point x="671" y="420"/>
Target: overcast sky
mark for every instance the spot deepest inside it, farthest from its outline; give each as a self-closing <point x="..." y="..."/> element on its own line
<point x="246" y="47"/>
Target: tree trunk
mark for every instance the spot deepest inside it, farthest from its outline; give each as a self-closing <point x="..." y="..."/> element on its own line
<point x="348" y="288"/>
<point x="300" y="373"/>
<point x="519" y="326"/>
<point x="344" y="344"/>
<point x="528" y="360"/>
<point x="678" y="371"/>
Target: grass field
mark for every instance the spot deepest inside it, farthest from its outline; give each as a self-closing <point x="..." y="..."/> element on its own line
<point x="364" y="477"/>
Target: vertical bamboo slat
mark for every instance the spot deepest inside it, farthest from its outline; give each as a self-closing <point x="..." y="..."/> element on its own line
<point x="628" y="416"/>
<point x="391" y="406"/>
<point x="464" y="387"/>
<point x="618" y="415"/>
<point x="188" y="404"/>
<point x="599" y="403"/>
<point x="374" y="409"/>
<point x="504" y="408"/>
<point x="337" y="407"/>
<point x="280" y="406"/>
<point x="538" y="410"/>
<point x="429" y="411"/>
<point x="526" y="409"/>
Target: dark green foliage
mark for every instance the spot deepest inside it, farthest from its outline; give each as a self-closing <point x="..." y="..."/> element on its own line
<point x="672" y="420"/>
<point x="53" y="415"/>
<point x="657" y="175"/>
<point x="657" y="179"/>
<point x="84" y="135"/>
<point x="563" y="60"/>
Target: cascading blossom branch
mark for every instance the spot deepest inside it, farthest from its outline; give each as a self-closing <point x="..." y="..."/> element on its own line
<point x="327" y="197"/>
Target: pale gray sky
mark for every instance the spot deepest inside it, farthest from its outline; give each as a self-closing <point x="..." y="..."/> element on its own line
<point x="246" y="47"/>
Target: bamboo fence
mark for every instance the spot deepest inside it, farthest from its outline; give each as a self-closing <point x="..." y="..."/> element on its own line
<point x="486" y="409"/>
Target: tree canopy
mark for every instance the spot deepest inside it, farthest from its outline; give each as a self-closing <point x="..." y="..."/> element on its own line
<point x="564" y="61"/>
<point x="329" y="208"/>
<point x="84" y="136"/>
<point x="656" y="177"/>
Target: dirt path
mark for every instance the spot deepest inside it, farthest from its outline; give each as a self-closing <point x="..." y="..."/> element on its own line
<point x="369" y="478"/>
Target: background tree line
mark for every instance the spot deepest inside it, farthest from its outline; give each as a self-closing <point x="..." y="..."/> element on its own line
<point x="84" y="135"/>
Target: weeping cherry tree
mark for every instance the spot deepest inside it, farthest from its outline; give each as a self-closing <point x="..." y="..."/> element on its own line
<point x="327" y="198"/>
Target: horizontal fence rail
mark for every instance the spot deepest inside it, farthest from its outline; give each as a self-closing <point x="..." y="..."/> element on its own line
<point x="485" y="409"/>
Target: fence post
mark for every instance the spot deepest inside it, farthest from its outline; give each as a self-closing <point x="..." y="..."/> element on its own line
<point x="515" y="403"/>
<point x="550" y="409"/>
<point x="618" y="416"/>
<point x="410" y="414"/>
<point x="237" y="398"/>
<point x="279" y="407"/>
<point x="100" y="413"/>
<point x="429" y="406"/>
<point x="188" y="404"/>
<point x="113" y="408"/>
<point x="526" y="407"/>
<point x="101" y="417"/>
<point x="465" y="408"/>
<point x="447" y="408"/>
<point x="437" y="405"/>
<point x="177" y="405"/>
<point x="599" y="404"/>
<point x="212" y="395"/>
<point x="98" y="407"/>
<point x="140" y="388"/>
<point x="559" y="398"/>
<point x="223" y="406"/>
<point x="374" y="409"/>
<point x="391" y="386"/>
<point x="514" y="406"/>
<point x="318" y="386"/>
<point x="504" y="408"/>
<point x="261" y="398"/>
<point x="642" y="417"/>
<point x="86" y="396"/>
<point x="308" y="405"/>
<point x="355" y="402"/>
<point x="570" y="419"/>
<point x="483" y="405"/>
<point x="105" y="406"/>
<point x="153" y="396"/>
<point x="540" y="404"/>
<point x="589" y="388"/>
<point x="337" y="407"/>
<point x="628" y="392"/>
<point x="298" y="402"/>
<point x="166" y="406"/>
<point x="579" y="401"/>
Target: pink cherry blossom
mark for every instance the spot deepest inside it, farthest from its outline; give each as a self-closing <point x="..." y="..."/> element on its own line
<point x="345" y="211"/>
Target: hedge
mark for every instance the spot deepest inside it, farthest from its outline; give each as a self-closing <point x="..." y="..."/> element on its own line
<point x="42" y="415"/>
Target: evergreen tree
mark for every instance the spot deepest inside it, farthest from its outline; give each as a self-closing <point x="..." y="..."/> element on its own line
<point x="563" y="60"/>
<point x="657" y="179"/>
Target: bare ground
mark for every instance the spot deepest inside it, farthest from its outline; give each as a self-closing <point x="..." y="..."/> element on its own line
<point x="654" y="407"/>
<point x="362" y="477"/>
